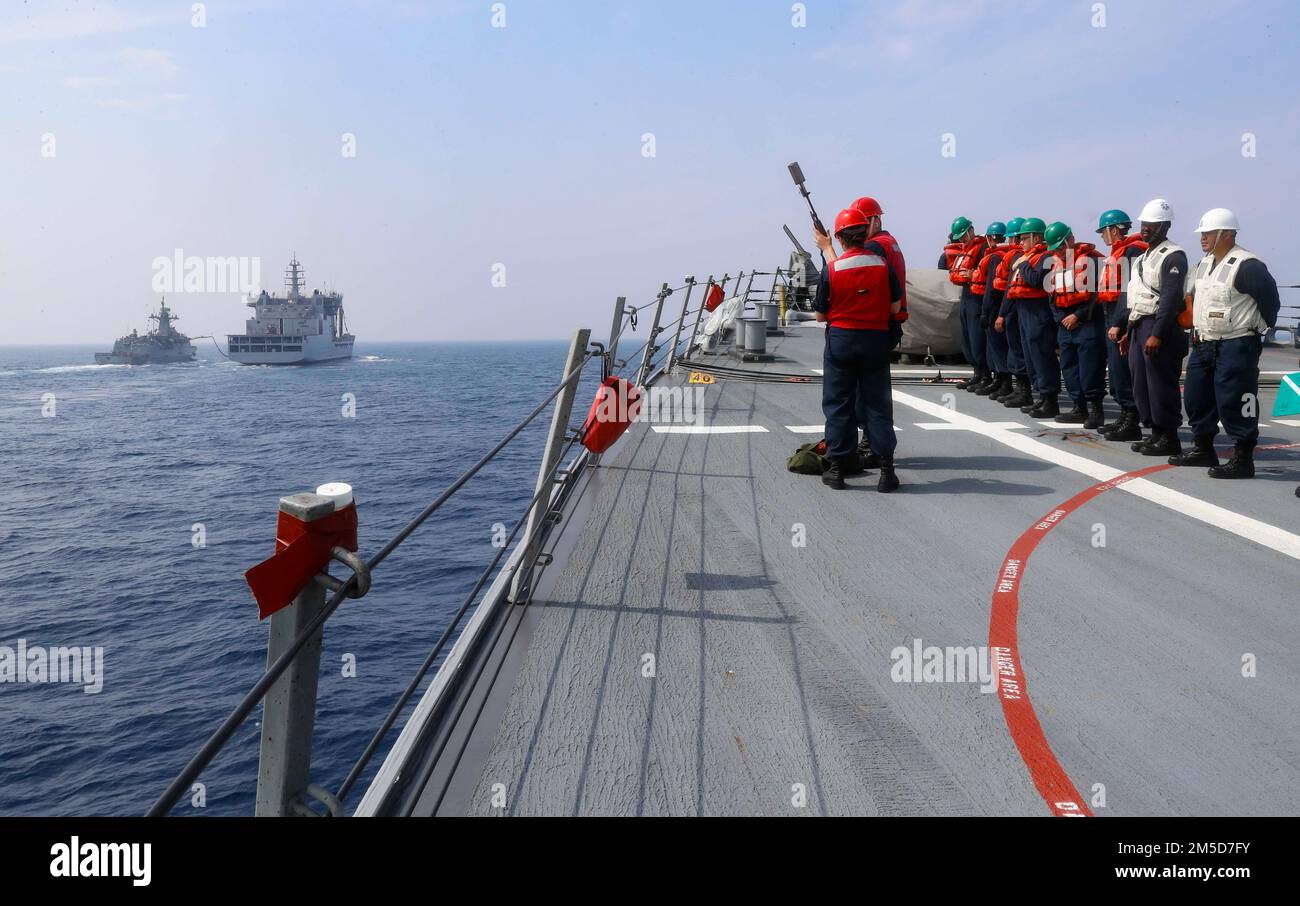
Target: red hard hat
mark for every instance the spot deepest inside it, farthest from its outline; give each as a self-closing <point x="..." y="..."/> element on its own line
<point x="849" y="217"/>
<point x="868" y="206"/>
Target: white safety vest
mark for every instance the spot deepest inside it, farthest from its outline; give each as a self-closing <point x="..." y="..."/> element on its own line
<point x="1219" y="310"/>
<point x="1144" y="282"/>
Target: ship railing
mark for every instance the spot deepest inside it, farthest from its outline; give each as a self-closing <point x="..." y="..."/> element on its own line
<point x="285" y="789"/>
<point x="1288" y="319"/>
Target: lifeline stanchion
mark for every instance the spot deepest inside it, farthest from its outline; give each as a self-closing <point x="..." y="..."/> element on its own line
<point x="614" y="332"/>
<point x="289" y="711"/>
<point x="695" y="331"/>
<point x="551" y="454"/>
<point x="677" y="335"/>
<point x="650" y="348"/>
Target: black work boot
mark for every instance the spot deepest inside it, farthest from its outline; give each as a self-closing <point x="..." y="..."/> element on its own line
<point x="1241" y="465"/>
<point x="1115" y="425"/>
<point x="990" y="386"/>
<point x="1126" y="428"/>
<point x="833" y="477"/>
<point x="1168" y="443"/>
<point x="888" y="478"/>
<point x="1096" y="416"/>
<point x="1006" y="387"/>
<point x="1145" y="442"/>
<point x="1022" y="395"/>
<point x="1047" y="407"/>
<point x="1201" y="454"/>
<point x="1076" y="416"/>
<point x="965" y="383"/>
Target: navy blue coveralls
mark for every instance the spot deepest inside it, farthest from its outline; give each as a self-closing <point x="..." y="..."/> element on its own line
<point x="1038" y="330"/>
<point x="973" y="341"/>
<point x="855" y="364"/>
<point x="1083" y="350"/>
<point x="997" y="349"/>
<point x="1155" y="377"/>
<point x="1121" y="382"/>
<point x="1017" y="361"/>
<point x="1221" y="372"/>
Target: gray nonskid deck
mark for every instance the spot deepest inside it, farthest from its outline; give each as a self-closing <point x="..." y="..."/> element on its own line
<point x="771" y="661"/>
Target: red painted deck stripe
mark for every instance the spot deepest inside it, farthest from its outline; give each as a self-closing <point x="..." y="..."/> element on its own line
<point x="1053" y="783"/>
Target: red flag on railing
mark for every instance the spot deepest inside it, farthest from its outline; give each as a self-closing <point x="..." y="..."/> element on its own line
<point x="714" y="298"/>
<point x="302" y="549"/>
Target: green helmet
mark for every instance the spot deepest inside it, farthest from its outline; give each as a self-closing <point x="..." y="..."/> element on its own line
<point x="1032" y="225"/>
<point x="1055" y="234"/>
<point x="1113" y="217"/>
<point x="959" y="227"/>
<point x="997" y="229"/>
<point x="1013" y="227"/>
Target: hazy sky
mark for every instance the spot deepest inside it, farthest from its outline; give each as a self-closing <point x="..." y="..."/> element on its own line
<point x="523" y="145"/>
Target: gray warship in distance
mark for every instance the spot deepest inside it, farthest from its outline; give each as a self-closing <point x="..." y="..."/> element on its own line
<point x="163" y="345"/>
<point x="293" y="329"/>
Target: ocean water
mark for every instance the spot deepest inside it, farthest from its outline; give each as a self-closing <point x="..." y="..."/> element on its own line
<point x="97" y="522"/>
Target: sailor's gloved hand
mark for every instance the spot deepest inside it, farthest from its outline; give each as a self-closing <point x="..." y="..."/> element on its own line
<point x="895" y="334"/>
<point x="984" y="321"/>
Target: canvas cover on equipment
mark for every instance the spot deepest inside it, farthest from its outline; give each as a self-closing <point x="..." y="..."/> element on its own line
<point x="933" y="305"/>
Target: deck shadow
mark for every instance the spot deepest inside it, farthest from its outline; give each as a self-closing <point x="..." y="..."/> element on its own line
<point x="726" y="582"/>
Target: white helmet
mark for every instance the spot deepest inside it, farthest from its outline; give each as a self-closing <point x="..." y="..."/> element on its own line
<point x="1157" y="210"/>
<point x="1218" y="219"/>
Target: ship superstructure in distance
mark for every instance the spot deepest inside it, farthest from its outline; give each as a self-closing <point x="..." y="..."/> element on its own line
<point x="294" y="329"/>
<point x="162" y="345"/>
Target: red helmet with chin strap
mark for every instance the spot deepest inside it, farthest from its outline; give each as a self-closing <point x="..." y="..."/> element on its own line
<point x="868" y="206"/>
<point x="849" y="217"/>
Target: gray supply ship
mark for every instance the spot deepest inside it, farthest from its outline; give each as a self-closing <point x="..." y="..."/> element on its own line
<point x="294" y="329"/>
<point x="162" y="345"/>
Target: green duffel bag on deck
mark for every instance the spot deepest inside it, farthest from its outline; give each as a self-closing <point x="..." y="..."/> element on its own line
<point x="809" y="459"/>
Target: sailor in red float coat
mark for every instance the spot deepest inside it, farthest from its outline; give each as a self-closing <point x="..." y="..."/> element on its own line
<point x="857" y="297"/>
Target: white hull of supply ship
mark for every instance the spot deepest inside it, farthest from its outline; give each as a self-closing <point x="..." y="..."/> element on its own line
<point x="294" y="329"/>
<point x="282" y="350"/>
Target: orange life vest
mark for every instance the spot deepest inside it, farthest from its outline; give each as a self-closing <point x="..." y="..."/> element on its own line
<point x="895" y="256"/>
<point x="1112" y="283"/>
<point x="860" y="296"/>
<point x="961" y="271"/>
<point x="1018" y="289"/>
<point x="1002" y="276"/>
<point x="1072" y="282"/>
<point x="951" y="251"/>
<point x="980" y="281"/>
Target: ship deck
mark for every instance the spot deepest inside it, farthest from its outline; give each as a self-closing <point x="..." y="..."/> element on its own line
<point x="1121" y="690"/>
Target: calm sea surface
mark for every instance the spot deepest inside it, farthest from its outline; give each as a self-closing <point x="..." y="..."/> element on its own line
<point x="98" y="517"/>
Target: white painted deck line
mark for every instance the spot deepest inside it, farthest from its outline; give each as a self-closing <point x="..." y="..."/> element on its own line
<point x="1261" y="533"/>
<point x="708" y="429"/>
<point x="948" y="426"/>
